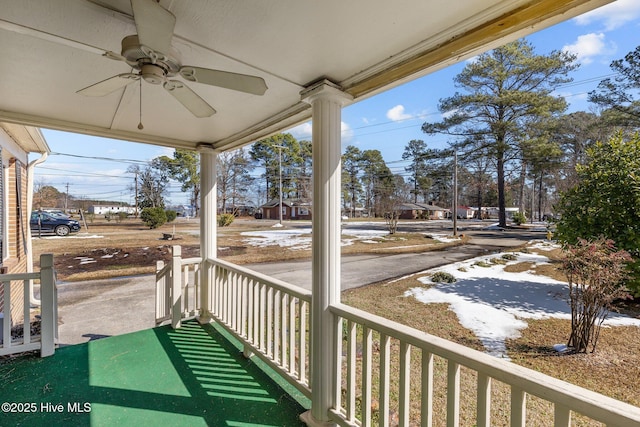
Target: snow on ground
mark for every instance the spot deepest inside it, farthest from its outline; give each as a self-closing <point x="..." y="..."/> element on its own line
<point x="444" y="238"/>
<point x="495" y="304"/>
<point x="71" y="236"/>
<point x="300" y="238"/>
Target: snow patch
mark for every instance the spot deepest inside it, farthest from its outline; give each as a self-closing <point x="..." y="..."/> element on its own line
<point x="444" y="238"/>
<point x="300" y="238"/>
<point x="495" y="304"/>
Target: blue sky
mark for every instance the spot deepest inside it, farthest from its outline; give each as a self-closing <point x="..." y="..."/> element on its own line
<point x="386" y="122"/>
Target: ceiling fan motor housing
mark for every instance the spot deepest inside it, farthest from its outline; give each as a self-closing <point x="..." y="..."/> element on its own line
<point x="139" y="56"/>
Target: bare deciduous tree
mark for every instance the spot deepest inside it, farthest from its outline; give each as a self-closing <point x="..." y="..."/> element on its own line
<point x="595" y="270"/>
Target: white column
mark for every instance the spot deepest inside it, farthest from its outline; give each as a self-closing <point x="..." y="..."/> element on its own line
<point x="326" y="102"/>
<point x="208" y="222"/>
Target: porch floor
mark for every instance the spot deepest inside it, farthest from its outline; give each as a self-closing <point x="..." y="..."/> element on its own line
<point x="192" y="376"/>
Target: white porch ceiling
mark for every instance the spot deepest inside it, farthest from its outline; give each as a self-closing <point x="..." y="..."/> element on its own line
<point x="51" y="49"/>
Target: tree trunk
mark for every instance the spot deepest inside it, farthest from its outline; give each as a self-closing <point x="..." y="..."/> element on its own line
<point x="540" y="198"/>
<point x="502" y="218"/>
<point x="523" y="175"/>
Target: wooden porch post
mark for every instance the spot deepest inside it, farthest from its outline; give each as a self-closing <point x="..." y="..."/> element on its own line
<point x="326" y="101"/>
<point x="48" y="309"/>
<point x="208" y="238"/>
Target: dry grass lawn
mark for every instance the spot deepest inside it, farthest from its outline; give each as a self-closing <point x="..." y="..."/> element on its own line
<point x="613" y="370"/>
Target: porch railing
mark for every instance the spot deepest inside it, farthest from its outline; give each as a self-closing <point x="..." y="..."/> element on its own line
<point x="177" y="286"/>
<point x="269" y="316"/>
<point x="389" y="373"/>
<point x="44" y="339"/>
<point x="390" y="398"/>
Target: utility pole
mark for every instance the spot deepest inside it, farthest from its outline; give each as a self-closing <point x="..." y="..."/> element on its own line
<point x="66" y="198"/>
<point x="280" y="147"/>
<point x="455" y="193"/>
<point x="136" y="189"/>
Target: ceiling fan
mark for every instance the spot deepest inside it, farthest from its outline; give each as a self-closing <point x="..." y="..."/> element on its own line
<point x="150" y="53"/>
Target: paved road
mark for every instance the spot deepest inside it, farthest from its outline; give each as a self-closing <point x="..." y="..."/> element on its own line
<point x="93" y="309"/>
<point x="359" y="270"/>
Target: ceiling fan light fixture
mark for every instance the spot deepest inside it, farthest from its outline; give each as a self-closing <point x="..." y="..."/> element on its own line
<point x="152" y="74"/>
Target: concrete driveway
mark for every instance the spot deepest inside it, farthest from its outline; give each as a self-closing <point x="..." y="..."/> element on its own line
<point x="360" y="270"/>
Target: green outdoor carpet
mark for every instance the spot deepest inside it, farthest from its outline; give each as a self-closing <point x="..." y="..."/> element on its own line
<point x="192" y="376"/>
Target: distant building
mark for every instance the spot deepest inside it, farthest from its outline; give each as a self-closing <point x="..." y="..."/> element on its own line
<point x="239" y="210"/>
<point x="465" y="212"/>
<point x="184" y="210"/>
<point x="355" y="212"/>
<point x="421" y="211"/>
<point x="106" y="209"/>
<point x="291" y="209"/>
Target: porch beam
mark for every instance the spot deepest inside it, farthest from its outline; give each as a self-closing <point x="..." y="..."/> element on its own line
<point x="208" y="237"/>
<point x="326" y="101"/>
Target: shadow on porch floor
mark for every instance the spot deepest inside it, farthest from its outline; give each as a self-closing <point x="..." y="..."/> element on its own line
<point x="192" y="376"/>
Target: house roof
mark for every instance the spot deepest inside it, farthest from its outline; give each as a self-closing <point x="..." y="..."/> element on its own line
<point x="51" y="49"/>
<point x="27" y="138"/>
<point x="286" y="202"/>
<point x="421" y="207"/>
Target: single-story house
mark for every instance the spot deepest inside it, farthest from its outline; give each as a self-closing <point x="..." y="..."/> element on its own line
<point x="355" y="212"/>
<point x="493" y="212"/>
<point x="291" y="209"/>
<point x="107" y="209"/>
<point x="421" y="211"/>
<point x="239" y="210"/>
<point x="16" y="198"/>
<point x="465" y="212"/>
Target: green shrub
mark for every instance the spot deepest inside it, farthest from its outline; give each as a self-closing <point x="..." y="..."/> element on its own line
<point x="121" y="216"/>
<point x="500" y="261"/>
<point x="171" y="215"/>
<point x="519" y="218"/>
<point x="510" y="257"/>
<point x="482" y="264"/>
<point x="225" y="219"/>
<point x="443" y="277"/>
<point x="153" y="217"/>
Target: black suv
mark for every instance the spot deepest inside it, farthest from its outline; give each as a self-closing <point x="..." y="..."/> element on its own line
<point x="44" y="222"/>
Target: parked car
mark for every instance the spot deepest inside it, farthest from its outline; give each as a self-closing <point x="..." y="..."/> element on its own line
<point x="43" y="222"/>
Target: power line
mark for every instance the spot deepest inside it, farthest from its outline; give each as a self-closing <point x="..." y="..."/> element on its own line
<point x="111" y="159"/>
<point x="79" y="173"/>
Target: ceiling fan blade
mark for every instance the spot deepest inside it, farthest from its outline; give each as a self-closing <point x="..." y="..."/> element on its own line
<point x="240" y="82"/>
<point x="112" y="84"/>
<point x="189" y="99"/>
<point x="154" y="25"/>
<point x="115" y="56"/>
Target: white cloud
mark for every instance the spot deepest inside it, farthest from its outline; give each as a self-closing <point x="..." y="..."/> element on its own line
<point x="304" y="130"/>
<point x="346" y="132"/>
<point x="397" y="113"/>
<point x="449" y="113"/>
<point x="613" y="15"/>
<point x="587" y="46"/>
<point x="472" y="60"/>
<point x="301" y="131"/>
